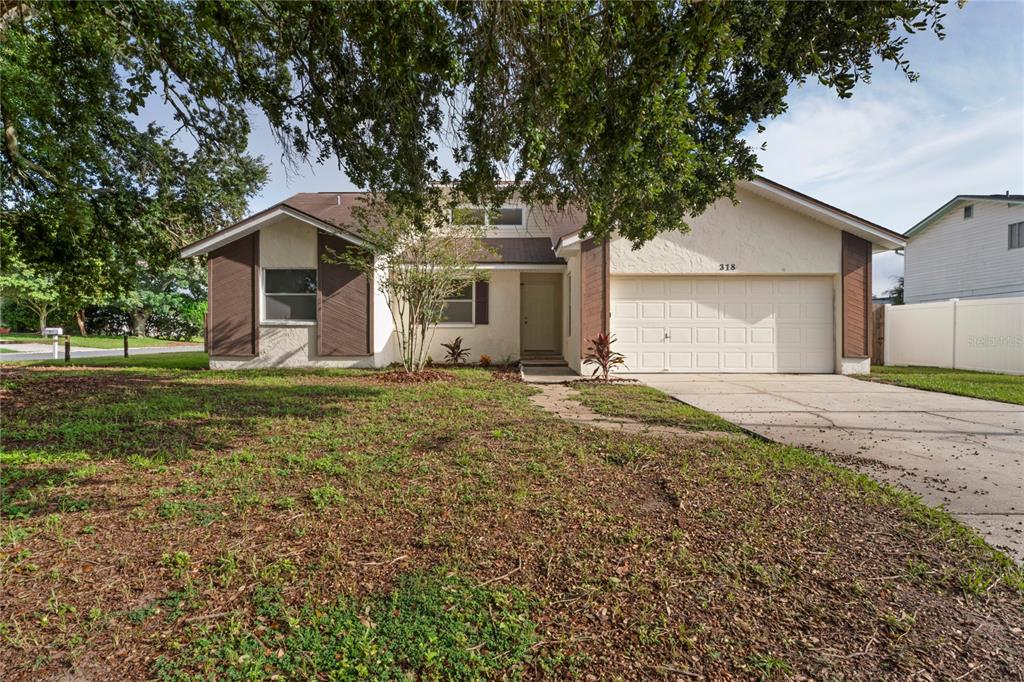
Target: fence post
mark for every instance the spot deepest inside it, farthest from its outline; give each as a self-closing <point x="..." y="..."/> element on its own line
<point x="126" y="345"/>
<point x="67" y="348"/>
<point x="954" y="302"/>
<point x="886" y="335"/>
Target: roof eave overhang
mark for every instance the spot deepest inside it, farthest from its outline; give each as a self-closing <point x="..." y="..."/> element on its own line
<point x="257" y="222"/>
<point x="882" y="238"/>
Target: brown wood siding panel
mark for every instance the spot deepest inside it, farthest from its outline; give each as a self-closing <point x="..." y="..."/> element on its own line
<point x="344" y="304"/>
<point x="483" y="302"/>
<point x="593" y="290"/>
<point x="233" y="287"/>
<point x="856" y="296"/>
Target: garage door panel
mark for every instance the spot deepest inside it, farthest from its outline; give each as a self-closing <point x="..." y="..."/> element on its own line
<point x="625" y="336"/>
<point x="724" y="324"/>
<point x="708" y="335"/>
<point x="652" y="335"/>
<point x="677" y="335"/>
<point x="735" y="311"/>
<point x="680" y="311"/>
<point x="707" y="311"/>
<point x="652" y="310"/>
<point x="736" y="336"/>
<point x="625" y="310"/>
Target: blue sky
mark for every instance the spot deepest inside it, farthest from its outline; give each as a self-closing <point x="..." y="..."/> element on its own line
<point x="892" y="154"/>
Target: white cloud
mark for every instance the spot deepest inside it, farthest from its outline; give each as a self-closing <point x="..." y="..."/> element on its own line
<point x="898" y="150"/>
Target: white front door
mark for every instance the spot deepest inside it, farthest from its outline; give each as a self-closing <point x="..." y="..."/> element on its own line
<point x="539" y="322"/>
<point x="724" y="324"/>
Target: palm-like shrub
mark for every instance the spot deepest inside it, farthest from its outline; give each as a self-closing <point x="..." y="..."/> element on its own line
<point x="456" y="353"/>
<point x="600" y="353"/>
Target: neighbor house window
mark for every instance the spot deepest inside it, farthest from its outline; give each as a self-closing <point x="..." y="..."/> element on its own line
<point x="458" y="308"/>
<point x="496" y="217"/>
<point x="968" y="212"/>
<point x="1016" y="235"/>
<point x="289" y="295"/>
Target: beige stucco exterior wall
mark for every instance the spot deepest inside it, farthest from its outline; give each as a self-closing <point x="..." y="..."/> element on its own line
<point x="500" y="337"/>
<point x="758" y="236"/>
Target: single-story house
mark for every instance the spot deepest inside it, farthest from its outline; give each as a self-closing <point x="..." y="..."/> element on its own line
<point x="970" y="247"/>
<point x="778" y="282"/>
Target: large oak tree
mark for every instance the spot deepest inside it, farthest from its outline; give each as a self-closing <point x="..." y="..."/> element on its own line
<point x="632" y="110"/>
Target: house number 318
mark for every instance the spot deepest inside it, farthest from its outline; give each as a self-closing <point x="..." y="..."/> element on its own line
<point x="726" y="266"/>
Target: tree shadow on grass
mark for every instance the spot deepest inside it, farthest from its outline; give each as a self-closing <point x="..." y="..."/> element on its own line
<point x="56" y="424"/>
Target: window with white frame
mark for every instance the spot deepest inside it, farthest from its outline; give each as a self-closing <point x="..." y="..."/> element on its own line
<point x="968" y="212"/>
<point x="289" y="295"/>
<point x="1016" y="235"/>
<point x="506" y="216"/>
<point x="459" y="307"/>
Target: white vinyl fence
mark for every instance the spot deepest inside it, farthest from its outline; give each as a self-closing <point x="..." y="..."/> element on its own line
<point x="985" y="334"/>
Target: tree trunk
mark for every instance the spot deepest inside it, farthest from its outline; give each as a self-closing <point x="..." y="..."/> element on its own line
<point x="139" y="318"/>
<point x="42" y="319"/>
<point x="80" y="319"/>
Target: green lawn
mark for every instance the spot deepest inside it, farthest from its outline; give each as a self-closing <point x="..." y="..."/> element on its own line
<point x="990" y="386"/>
<point x="647" y="405"/>
<point x="7" y="350"/>
<point x="172" y="523"/>
<point x="90" y="341"/>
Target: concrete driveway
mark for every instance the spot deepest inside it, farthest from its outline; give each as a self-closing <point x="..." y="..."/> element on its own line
<point x="963" y="453"/>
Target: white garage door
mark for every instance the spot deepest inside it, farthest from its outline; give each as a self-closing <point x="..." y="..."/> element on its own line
<point x="724" y="324"/>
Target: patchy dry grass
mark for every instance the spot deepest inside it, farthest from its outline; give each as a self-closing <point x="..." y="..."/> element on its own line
<point x="647" y="405"/>
<point x="188" y="524"/>
<point x="986" y="385"/>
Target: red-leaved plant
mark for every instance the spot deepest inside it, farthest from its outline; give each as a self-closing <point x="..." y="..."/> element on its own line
<point x="600" y="353"/>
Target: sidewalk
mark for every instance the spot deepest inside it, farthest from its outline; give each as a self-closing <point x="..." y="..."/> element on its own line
<point x="39" y="351"/>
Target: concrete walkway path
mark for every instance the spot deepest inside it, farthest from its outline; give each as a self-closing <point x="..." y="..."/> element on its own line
<point x="963" y="453"/>
<point x="79" y="352"/>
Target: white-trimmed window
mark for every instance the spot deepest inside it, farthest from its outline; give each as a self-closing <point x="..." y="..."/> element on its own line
<point x="506" y="216"/>
<point x="289" y="295"/>
<point x="459" y="308"/>
<point x="968" y="212"/>
<point x="1016" y="235"/>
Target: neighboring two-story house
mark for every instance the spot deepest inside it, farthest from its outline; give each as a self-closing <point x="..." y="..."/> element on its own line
<point x="971" y="247"/>
<point x="778" y="282"/>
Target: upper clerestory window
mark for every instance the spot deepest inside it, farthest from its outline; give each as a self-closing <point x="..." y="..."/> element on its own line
<point x="505" y="216"/>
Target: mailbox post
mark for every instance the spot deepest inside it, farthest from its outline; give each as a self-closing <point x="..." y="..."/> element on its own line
<point x="56" y="333"/>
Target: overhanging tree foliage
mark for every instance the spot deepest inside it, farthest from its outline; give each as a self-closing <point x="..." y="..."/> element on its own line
<point x="91" y="193"/>
<point x="631" y="110"/>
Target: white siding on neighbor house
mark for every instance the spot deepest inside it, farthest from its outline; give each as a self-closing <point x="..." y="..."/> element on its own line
<point x="958" y="258"/>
